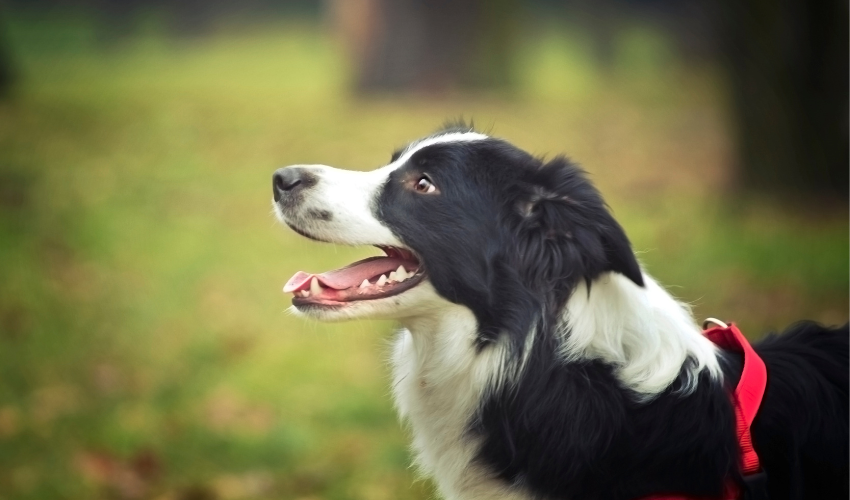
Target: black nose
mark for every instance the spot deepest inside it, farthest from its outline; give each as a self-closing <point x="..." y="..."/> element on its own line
<point x="288" y="180"/>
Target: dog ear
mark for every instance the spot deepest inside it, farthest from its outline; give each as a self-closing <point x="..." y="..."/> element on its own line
<point x="564" y="207"/>
<point x="619" y="254"/>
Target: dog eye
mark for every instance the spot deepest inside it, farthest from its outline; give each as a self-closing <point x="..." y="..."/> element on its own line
<point x="424" y="185"/>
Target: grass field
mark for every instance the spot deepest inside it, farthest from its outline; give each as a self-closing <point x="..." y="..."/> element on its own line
<point x="145" y="346"/>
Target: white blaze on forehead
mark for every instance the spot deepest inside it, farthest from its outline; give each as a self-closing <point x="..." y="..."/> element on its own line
<point x="437" y="139"/>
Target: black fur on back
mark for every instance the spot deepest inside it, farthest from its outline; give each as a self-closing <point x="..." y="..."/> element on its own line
<point x="801" y="431"/>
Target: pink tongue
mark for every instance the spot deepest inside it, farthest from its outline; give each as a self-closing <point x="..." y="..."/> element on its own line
<point x="349" y="276"/>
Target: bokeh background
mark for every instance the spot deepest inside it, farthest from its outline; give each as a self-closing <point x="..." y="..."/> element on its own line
<point x="146" y="350"/>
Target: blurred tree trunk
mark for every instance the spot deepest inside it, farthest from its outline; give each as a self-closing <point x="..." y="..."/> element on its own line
<point x="7" y="71"/>
<point x="428" y="46"/>
<point x="787" y="63"/>
<point x="7" y="76"/>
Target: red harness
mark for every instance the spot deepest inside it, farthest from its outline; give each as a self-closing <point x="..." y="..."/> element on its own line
<point x="746" y="399"/>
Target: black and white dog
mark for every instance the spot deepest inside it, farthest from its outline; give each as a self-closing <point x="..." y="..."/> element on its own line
<point x="537" y="359"/>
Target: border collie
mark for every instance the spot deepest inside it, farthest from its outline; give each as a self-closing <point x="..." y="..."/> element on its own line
<point x="537" y="360"/>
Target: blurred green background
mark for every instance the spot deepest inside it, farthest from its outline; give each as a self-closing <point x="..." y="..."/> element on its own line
<point x="146" y="350"/>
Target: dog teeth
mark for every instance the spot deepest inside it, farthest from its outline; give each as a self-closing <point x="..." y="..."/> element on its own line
<point x="394" y="277"/>
<point x="315" y="287"/>
<point x="382" y="280"/>
<point x="304" y="293"/>
<point x="365" y="284"/>
<point x="400" y="274"/>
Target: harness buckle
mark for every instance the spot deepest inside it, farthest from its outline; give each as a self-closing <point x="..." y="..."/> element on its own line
<point x="709" y="321"/>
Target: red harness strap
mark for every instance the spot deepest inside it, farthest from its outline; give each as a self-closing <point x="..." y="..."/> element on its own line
<point x="746" y="399"/>
<point x="749" y="392"/>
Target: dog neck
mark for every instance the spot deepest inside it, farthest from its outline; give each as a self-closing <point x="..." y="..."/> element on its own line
<point x="643" y="331"/>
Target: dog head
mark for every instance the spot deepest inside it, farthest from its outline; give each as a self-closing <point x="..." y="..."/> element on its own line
<point x="462" y="218"/>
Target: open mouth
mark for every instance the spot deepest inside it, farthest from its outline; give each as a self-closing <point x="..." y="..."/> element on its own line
<point x="368" y="279"/>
